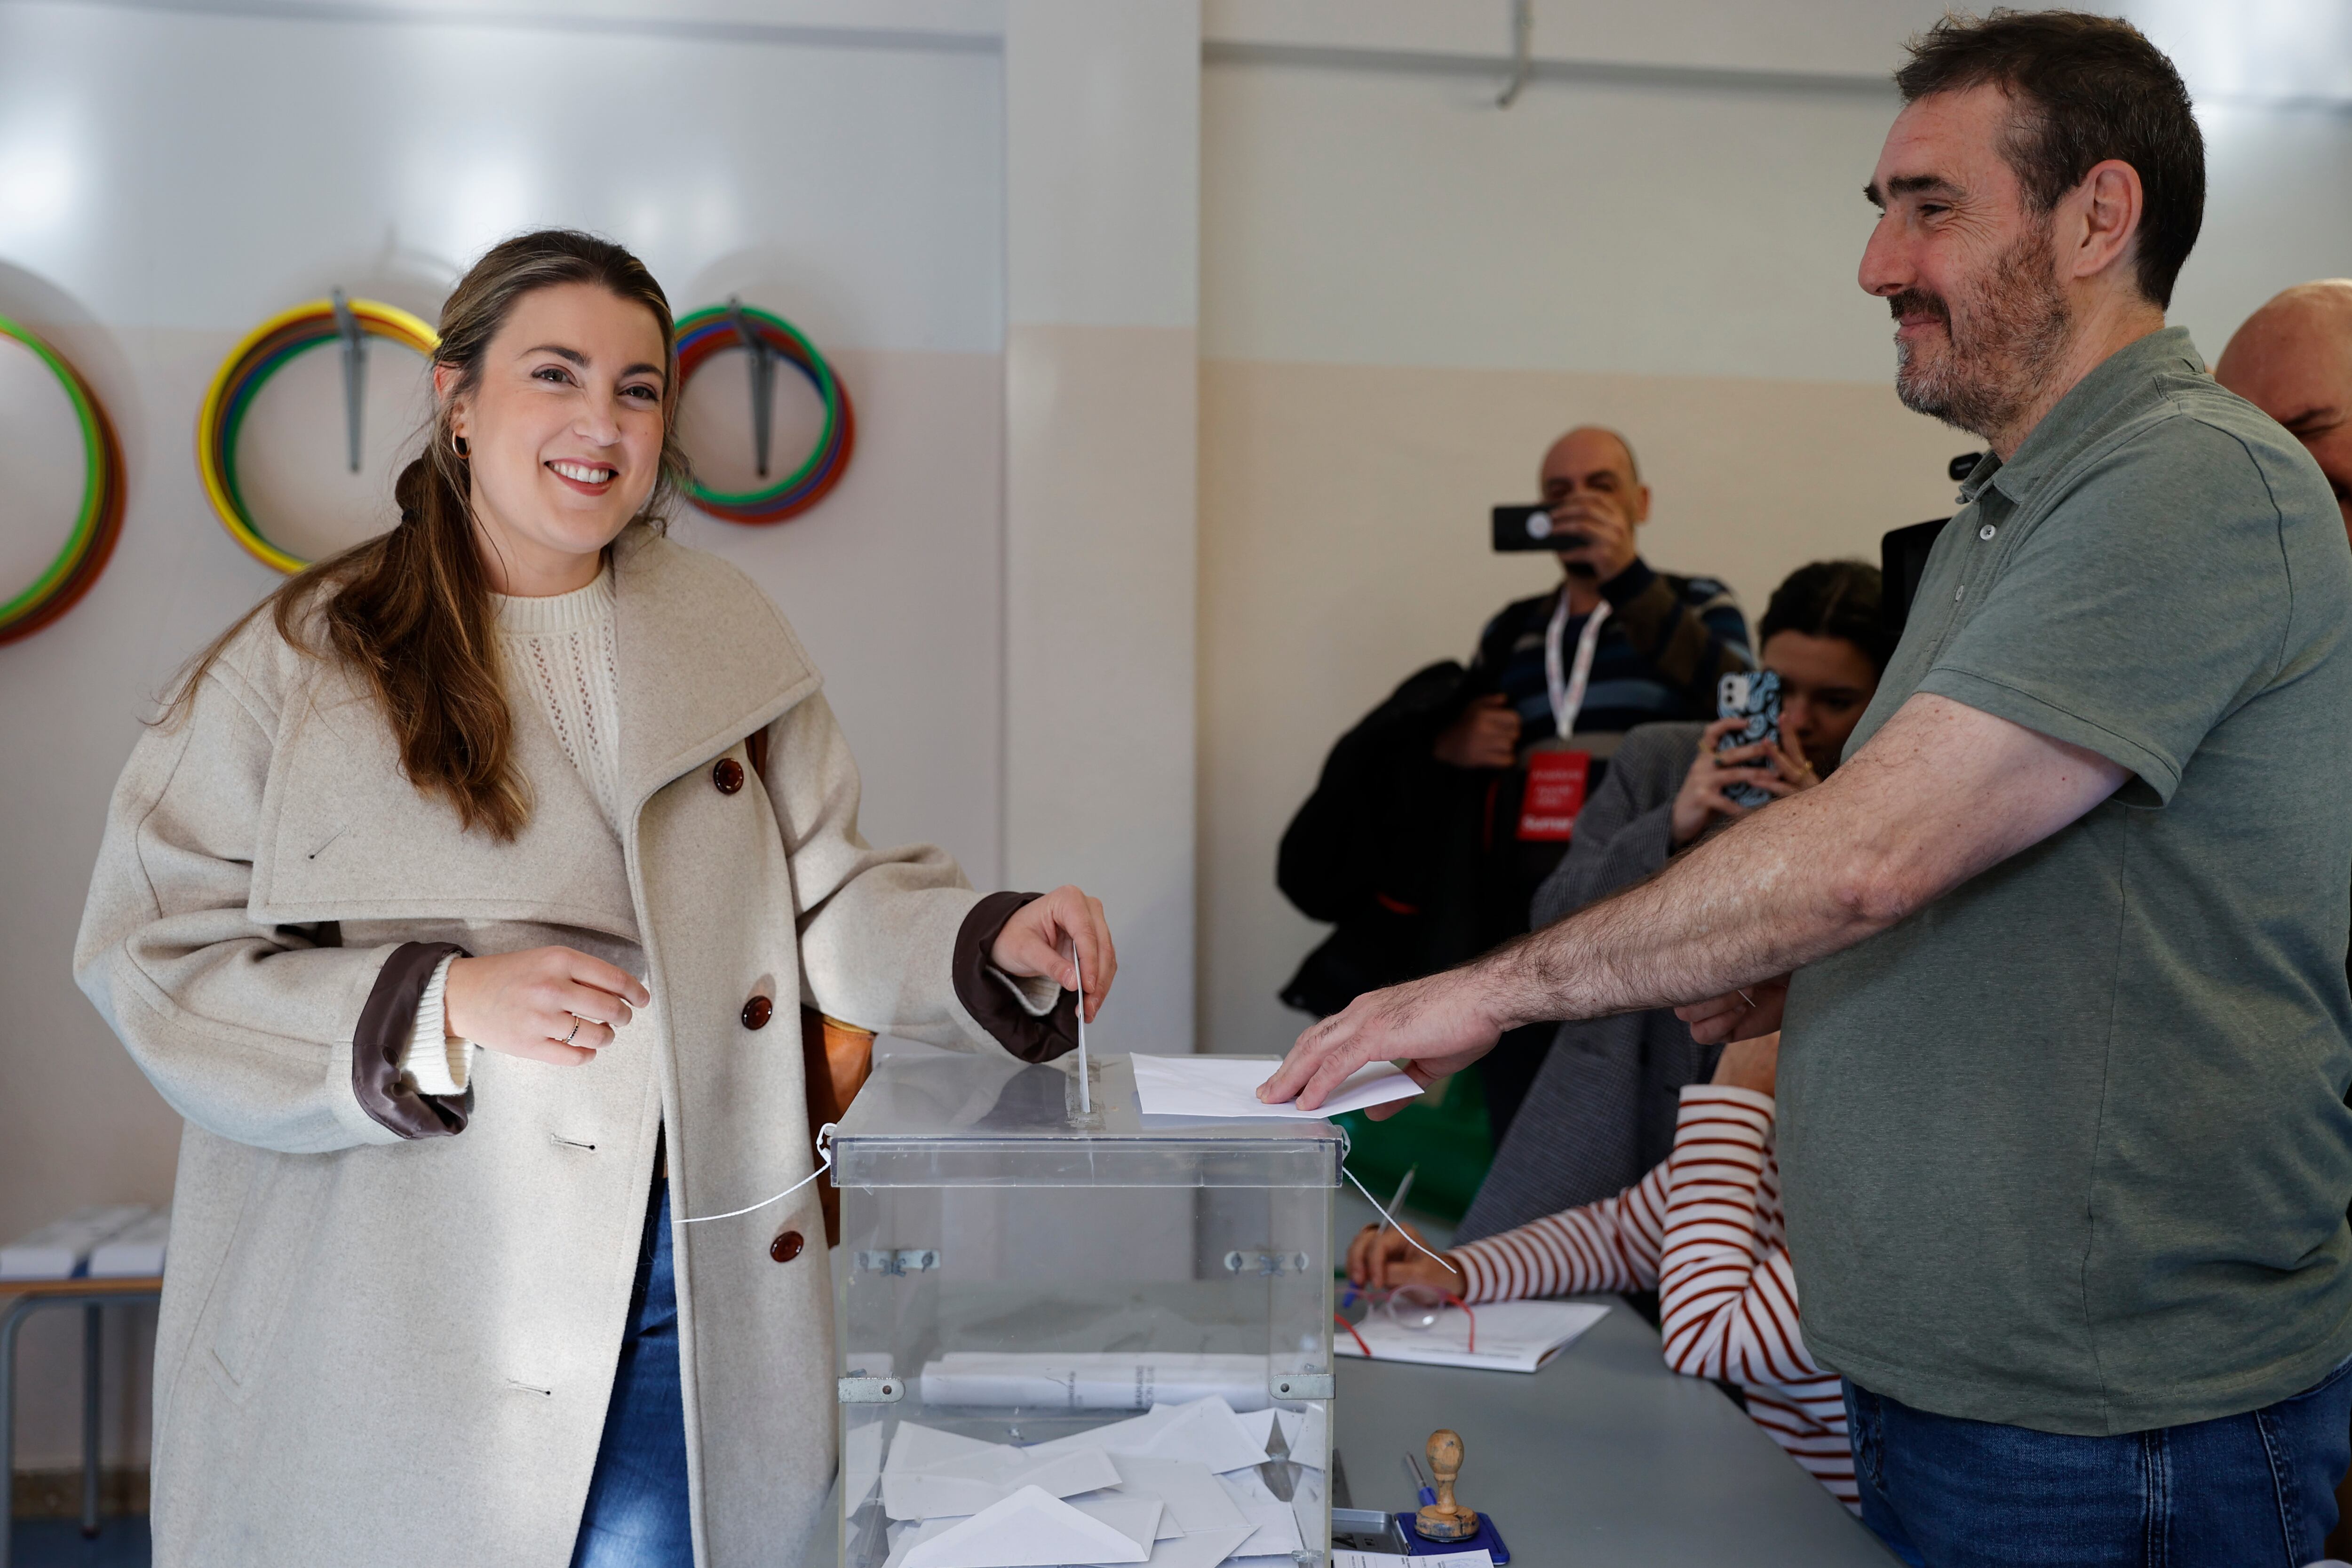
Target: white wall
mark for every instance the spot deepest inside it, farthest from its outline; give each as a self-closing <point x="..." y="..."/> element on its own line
<point x="168" y="177"/>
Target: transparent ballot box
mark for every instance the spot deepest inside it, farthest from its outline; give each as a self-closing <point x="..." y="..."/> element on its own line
<point x="1076" y="1336"/>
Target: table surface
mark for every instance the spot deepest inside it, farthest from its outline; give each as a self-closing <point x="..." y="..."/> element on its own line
<point x="1602" y="1458"/>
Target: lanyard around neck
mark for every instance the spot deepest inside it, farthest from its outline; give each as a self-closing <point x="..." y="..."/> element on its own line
<point x="1567" y="690"/>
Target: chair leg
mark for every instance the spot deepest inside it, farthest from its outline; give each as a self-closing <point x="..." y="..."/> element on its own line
<point x="92" y="1320"/>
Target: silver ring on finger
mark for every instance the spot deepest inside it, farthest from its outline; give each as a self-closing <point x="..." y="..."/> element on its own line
<point x="575" y="1028"/>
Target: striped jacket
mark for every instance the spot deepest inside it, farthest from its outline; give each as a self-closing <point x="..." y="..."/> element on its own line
<point x="1703" y="1230"/>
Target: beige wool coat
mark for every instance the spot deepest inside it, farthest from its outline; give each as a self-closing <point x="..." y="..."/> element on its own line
<point x="390" y="1322"/>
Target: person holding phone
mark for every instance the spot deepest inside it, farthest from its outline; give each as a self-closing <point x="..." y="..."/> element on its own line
<point x="464" y="901"/>
<point x="1601" y="1109"/>
<point x="1701" y="1232"/>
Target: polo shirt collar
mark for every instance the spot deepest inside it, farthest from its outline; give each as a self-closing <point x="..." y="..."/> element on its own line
<point x="2084" y="407"/>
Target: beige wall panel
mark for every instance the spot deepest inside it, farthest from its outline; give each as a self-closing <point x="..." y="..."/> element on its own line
<point x="1099" y="672"/>
<point x="1344" y="545"/>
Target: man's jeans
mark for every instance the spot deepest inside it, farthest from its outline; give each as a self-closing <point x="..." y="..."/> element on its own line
<point x="637" y="1514"/>
<point x="2240" y="1491"/>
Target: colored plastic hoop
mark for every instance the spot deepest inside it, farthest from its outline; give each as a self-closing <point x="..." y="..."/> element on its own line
<point x="261" y="357"/>
<point x="99" y="523"/>
<point x="705" y="333"/>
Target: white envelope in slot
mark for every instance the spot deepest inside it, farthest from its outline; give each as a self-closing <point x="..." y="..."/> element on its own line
<point x="1027" y="1530"/>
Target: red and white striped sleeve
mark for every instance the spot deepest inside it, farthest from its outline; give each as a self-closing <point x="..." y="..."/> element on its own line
<point x="1611" y="1244"/>
<point x="1727" y="1297"/>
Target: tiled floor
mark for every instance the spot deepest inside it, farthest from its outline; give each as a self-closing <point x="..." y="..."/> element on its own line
<point x="57" y="1543"/>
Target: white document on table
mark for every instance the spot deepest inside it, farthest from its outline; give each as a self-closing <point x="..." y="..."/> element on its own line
<point x="1511" y="1336"/>
<point x="1226" y="1088"/>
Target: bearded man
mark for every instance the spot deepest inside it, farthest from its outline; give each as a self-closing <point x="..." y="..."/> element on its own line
<point x="2063" y="1148"/>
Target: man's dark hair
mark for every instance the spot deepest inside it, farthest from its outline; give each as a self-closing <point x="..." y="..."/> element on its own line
<point x="1831" y="599"/>
<point x="2087" y="89"/>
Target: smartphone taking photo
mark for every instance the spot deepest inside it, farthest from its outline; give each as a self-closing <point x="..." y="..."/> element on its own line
<point x="1520" y="528"/>
<point x="1754" y="698"/>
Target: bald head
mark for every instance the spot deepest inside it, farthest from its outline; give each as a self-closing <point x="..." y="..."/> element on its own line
<point x="2292" y="360"/>
<point x="1594" y="492"/>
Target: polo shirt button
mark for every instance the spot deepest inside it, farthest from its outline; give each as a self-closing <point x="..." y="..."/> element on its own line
<point x="1958" y="592"/>
<point x="786" y="1248"/>
<point x="757" y="1011"/>
<point x="726" y="774"/>
<point x="1987" y="531"/>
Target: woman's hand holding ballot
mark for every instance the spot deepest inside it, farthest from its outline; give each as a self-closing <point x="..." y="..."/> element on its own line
<point x="1041" y="935"/>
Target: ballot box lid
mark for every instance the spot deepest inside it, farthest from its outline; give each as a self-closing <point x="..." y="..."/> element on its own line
<point x="935" y="1120"/>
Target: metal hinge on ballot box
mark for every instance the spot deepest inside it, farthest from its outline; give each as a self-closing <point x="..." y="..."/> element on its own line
<point x="1267" y="1264"/>
<point x="1302" y="1386"/>
<point x="903" y="1260"/>
<point x="870" y="1391"/>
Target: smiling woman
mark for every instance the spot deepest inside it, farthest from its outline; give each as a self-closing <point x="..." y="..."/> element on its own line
<point x="450" y="903"/>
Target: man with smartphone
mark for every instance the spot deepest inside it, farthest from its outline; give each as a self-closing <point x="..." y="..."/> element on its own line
<point x="2064" y="1147"/>
<point x="1560" y="678"/>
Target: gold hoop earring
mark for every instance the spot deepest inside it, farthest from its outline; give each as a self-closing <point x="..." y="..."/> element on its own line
<point x="457" y="444"/>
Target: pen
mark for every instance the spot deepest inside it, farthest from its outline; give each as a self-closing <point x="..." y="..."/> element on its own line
<point x="1397" y="1202"/>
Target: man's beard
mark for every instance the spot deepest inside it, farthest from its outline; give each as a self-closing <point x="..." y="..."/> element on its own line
<point x="1997" y="355"/>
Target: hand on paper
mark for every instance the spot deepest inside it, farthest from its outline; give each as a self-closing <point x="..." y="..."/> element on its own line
<point x="1486" y="736"/>
<point x="1740" y="1015"/>
<point x="1429" y="1028"/>
<point x="1382" y="1261"/>
<point x="544" y="1004"/>
<point x="1036" y="942"/>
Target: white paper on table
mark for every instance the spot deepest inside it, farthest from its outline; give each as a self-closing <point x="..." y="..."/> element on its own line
<point x="1513" y="1336"/>
<point x="1195" y="1501"/>
<point x="1206" y="1432"/>
<point x="1226" y="1088"/>
<point x="1030" y="1530"/>
<point x="971" y="1482"/>
<point x="1089" y="1380"/>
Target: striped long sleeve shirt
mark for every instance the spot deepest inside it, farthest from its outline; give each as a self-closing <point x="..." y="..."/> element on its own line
<point x="1703" y="1230"/>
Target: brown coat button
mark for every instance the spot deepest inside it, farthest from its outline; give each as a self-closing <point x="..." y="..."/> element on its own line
<point x="727" y="774"/>
<point x="785" y="1248"/>
<point x="757" y="1011"/>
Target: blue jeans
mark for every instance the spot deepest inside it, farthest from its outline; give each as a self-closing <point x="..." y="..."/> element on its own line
<point x="636" y="1515"/>
<point x="2239" y="1491"/>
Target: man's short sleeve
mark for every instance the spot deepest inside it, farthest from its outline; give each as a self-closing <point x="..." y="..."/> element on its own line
<point x="2140" y="611"/>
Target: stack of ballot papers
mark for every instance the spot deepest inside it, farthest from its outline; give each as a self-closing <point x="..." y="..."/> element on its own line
<point x="1182" y="1486"/>
<point x="1512" y="1336"/>
<point x="1075" y="1380"/>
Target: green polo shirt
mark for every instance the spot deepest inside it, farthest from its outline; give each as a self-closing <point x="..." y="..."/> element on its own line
<point x="2068" y="1149"/>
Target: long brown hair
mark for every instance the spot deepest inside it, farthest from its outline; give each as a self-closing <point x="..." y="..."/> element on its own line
<point x="409" y="611"/>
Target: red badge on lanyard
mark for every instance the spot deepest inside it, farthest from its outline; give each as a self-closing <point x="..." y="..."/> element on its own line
<point x="1556" y="779"/>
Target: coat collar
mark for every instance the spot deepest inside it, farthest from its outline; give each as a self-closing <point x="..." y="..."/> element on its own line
<point x="705" y="659"/>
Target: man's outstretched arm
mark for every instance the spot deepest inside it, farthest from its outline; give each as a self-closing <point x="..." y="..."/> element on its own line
<point x="1941" y="793"/>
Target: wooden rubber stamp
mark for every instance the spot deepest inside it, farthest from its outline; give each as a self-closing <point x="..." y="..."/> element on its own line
<point x="1445" y="1519"/>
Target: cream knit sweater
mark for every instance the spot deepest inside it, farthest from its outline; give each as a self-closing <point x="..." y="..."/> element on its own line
<point x="559" y="654"/>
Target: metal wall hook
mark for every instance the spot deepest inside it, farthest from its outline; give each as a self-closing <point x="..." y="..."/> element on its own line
<point x="1523" y="33"/>
<point x="763" y="379"/>
<point x="354" y="375"/>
